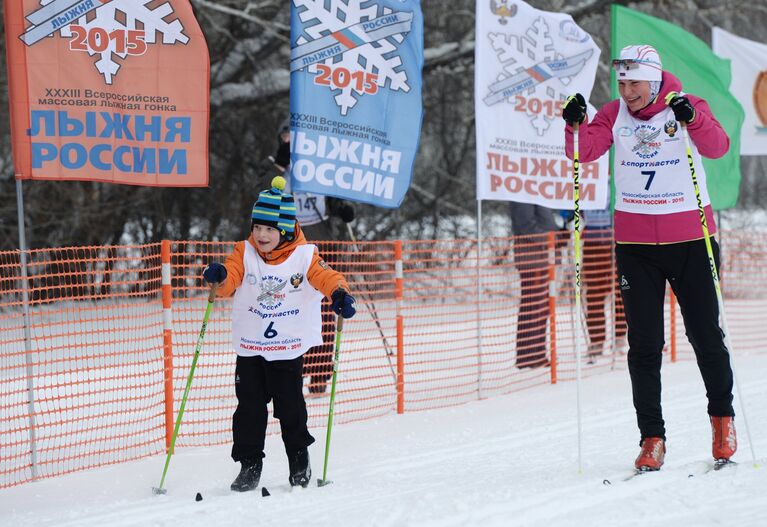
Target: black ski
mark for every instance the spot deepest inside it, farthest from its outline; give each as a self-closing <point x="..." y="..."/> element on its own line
<point x="635" y="473"/>
<point x="281" y="489"/>
<point x="719" y="464"/>
<point x="640" y="471"/>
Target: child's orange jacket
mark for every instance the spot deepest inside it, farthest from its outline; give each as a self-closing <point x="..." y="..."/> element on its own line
<point x="322" y="277"/>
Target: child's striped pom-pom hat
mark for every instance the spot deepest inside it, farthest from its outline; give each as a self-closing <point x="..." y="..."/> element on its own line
<point x="276" y="208"/>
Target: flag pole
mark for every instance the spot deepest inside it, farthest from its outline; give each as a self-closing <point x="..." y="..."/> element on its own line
<point x="27" y="331"/>
<point x="479" y="293"/>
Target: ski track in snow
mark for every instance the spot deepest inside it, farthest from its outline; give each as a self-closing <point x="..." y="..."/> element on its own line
<point x="508" y="460"/>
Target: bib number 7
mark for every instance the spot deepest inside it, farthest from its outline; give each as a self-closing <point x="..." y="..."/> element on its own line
<point x="651" y="174"/>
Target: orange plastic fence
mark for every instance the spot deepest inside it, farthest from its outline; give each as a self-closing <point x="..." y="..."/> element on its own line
<point x="96" y="344"/>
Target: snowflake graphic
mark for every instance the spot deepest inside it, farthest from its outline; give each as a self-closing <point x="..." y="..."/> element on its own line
<point x="271" y="292"/>
<point x="646" y="146"/>
<point x="516" y="52"/>
<point x="127" y="14"/>
<point x="327" y="16"/>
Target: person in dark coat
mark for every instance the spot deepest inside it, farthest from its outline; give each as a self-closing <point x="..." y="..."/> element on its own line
<point x="317" y="215"/>
<point x="529" y="224"/>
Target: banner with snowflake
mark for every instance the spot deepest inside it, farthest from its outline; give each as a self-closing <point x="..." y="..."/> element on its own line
<point x="527" y="62"/>
<point x="108" y="90"/>
<point x="355" y="97"/>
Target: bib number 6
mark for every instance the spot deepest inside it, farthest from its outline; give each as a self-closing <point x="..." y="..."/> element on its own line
<point x="270" y="332"/>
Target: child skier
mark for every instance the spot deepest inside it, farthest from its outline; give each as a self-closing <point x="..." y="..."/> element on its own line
<point x="278" y="281"/>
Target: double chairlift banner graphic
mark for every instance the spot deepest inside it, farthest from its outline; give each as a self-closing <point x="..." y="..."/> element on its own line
<point x="108" y="90"/>
<point x="355" y="97"/>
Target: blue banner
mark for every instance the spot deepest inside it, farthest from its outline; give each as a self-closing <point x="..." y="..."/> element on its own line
<point x="355" y="98"/>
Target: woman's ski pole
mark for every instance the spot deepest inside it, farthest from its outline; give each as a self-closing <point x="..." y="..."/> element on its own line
<point x="577" y="224"/>
<point x="714" y="272"/>
<point x="211" y="299"/>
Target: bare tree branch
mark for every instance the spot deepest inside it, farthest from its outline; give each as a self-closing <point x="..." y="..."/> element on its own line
<point x="268" y="26"/>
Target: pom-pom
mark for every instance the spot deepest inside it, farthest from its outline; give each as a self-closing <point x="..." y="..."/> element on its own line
<point x="279" y="182"/>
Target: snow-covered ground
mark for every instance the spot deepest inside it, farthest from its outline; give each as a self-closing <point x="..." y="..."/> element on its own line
<point x="503" y="461"/>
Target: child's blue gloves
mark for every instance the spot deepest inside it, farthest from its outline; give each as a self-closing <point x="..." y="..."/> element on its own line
<point x="343" y="303"/>
<point x="214" y="273"/>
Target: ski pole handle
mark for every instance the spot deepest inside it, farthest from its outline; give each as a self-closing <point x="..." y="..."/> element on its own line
<point x="212" y="294"/>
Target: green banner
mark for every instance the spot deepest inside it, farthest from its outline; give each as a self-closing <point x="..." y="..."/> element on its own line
<point x="703" y="74"/>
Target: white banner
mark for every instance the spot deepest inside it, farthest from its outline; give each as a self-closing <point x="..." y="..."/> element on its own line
<point x="749" y="86"/>
<point x="527" y="62"/>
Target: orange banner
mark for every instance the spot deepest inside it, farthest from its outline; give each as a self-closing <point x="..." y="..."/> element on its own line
<point x="108" y="90"/>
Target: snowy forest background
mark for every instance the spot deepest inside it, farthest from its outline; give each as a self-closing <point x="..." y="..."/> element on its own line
<point x="249" y="50"/>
